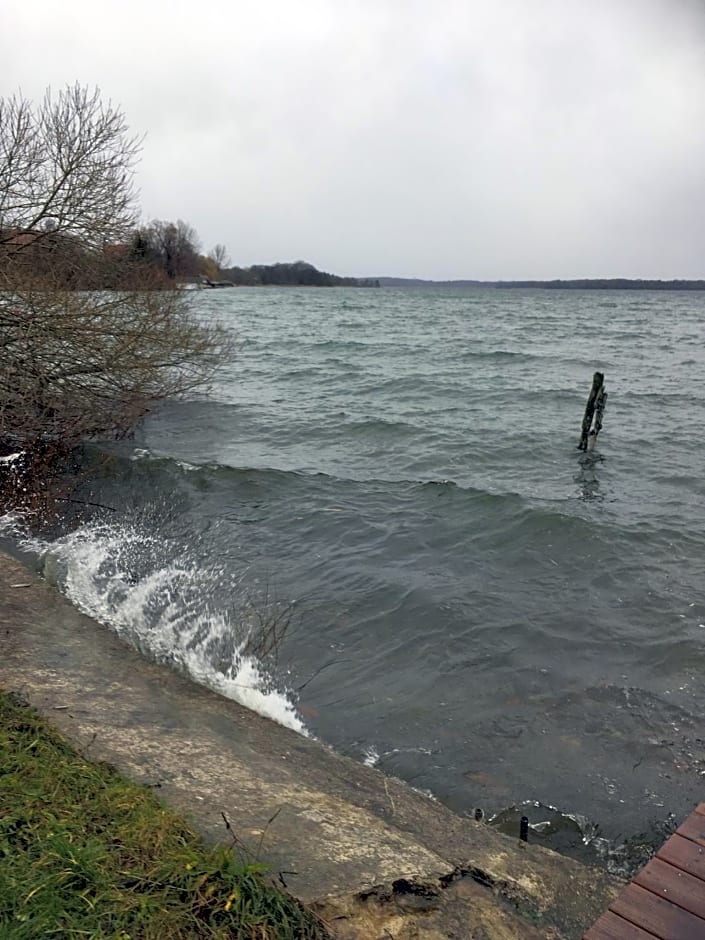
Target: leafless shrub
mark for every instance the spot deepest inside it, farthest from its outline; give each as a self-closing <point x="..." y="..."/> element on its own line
<point x="76" y="364"/>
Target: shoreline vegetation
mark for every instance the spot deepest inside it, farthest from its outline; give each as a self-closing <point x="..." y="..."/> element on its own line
<point x="85" y="852"/>
<point x="160" y="256"/>
<point x="93" y="333"/>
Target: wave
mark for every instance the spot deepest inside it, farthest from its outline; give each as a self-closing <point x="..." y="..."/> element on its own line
<point x="499" y="516"/>
<point x="661" y="397"/>
<point x="380" y="426"/>
<point x="338" y="345"/>
<point x="156" y="597"/>
<point x="498" y="354"/>
<point x="276" y="479"/>
<point x="283" y="480"/>
<point x="517" y="357"/>
<point x="202" y="472"/>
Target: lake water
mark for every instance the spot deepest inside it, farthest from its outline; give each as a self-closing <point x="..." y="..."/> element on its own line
<point x="474" y="606"/>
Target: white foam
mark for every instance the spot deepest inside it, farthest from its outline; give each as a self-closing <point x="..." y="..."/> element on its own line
<point x="371" y="756"/>
<point x="125" y="578"/>
<point x="144" y="453"/>
<point x="13" y="524"/>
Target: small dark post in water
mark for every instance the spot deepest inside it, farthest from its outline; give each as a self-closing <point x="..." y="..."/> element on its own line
<point x="524" y="829"/>
<point x="595" y="407"/>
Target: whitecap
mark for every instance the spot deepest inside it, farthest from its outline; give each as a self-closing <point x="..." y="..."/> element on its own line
<point x="126" y="579"/>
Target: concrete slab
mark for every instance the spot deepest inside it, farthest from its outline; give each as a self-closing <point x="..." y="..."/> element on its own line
<point x="371" y="854"/>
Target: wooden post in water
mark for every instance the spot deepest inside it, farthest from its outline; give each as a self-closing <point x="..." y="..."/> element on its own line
<point x="595" y="407"/>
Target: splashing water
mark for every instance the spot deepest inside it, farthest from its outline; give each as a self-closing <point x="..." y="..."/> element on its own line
<point x="156" y="597"/>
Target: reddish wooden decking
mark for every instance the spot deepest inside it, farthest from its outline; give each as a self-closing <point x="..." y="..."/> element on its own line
<point x="667" y="897"/>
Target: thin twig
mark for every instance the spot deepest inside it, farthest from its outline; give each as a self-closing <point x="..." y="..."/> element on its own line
<point x="320" y="669"/>
<point x="84" y="502"/>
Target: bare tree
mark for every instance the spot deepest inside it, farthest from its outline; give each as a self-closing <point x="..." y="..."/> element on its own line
<point x="219" y="254"/>
<point x="76" y="364"/>
<point x="66" y="167"/>
<point x="172" y="246"/>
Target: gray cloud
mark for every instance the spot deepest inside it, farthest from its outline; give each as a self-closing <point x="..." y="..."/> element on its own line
<point x="494" y="138"/>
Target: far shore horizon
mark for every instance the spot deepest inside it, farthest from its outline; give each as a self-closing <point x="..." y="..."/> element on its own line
<point x="588" y="283"/>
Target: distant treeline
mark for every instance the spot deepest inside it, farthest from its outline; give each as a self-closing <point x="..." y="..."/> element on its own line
<point x="159" y="254"/>
<point x="162" y="253"/>
<point x="292" y="274"/>
<point x="174" y="249"/>
<point x="613" y="283"/>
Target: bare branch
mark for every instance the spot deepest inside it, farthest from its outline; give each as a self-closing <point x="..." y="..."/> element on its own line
<point x="66" y="166"/>
<point x="78" y="363"/>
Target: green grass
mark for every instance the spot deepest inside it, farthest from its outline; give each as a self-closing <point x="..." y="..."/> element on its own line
<point x="84" y="853"/>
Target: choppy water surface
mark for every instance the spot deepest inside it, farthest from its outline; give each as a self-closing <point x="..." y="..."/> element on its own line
<point x="478" y="608"/>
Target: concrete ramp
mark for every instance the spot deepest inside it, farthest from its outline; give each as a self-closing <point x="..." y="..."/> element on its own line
<point x="374" y="857"/>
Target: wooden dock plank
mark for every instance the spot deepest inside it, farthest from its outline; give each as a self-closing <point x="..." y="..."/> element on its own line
<point x="684" y="854"/>
<point x="657" y="916"/>
<point x="613" y="927"/>
<point x="666" y="900"/>
<point x="674" y="885"/>
<point x="693" y="828"/>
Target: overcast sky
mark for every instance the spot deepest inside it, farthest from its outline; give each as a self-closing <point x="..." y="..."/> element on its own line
<point x="454" y="138"/>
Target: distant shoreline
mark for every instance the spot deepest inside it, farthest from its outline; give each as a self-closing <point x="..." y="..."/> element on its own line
<point x="615" y="283"/>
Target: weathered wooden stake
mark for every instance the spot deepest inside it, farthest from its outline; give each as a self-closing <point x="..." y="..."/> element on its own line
<point x="595" y="407"/>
